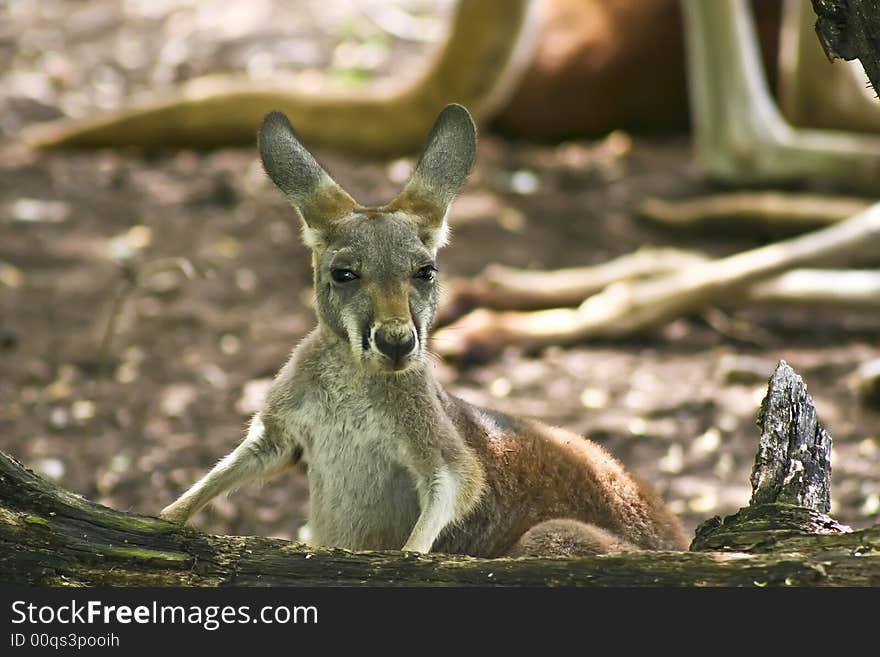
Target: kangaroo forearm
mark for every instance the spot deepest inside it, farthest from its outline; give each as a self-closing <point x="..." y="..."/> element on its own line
<point x="439" y="509"/>
<point x="232" y="472"/>
<point x="257" y="457"/>
<point x="191" y="502"/>
<point x="449" y="492"/>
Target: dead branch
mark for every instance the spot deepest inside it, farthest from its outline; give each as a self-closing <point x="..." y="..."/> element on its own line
<point x="627" y="307"/>
<point x="851" y="289"/>
<point x="511" y="288"/>
<point x="500" y="287"/>
<point x="771" y="209"/>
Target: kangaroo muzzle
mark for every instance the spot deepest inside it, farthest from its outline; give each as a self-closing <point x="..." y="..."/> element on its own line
<point x="396" y="340"/>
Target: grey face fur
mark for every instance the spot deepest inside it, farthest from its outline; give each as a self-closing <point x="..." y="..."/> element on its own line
<point x="374" y="266"/>
<point x="387" y="295"/>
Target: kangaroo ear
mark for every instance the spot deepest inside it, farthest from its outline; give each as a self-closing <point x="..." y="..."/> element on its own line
<point x="316" y="196"/>
<point x="445" y="163"/>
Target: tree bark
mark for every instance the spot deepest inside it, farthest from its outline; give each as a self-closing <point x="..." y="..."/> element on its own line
<point x="49" y="536"/>
<point x="848" y="29"/>
<point x="793" y="464"/>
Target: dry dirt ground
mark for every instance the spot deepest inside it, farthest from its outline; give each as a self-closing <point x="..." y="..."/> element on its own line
<point x="223" y="285"/>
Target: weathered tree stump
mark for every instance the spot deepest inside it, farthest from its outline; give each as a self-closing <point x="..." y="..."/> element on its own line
<point x="49" y="536"/>
<point x="793" y="464"/>
<point x="791" y="479"/>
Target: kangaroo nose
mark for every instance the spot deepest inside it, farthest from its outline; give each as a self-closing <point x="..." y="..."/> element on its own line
<point x="395" y="341"/>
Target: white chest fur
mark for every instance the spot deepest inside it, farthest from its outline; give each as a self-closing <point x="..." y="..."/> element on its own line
<point x="360" y="495"/>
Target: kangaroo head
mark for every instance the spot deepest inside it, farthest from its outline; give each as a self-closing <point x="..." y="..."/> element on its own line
<point x="374" y="267"/>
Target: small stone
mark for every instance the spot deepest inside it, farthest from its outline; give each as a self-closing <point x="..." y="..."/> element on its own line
<point x="400" y="170"/>
<point x="59" y="418"/>
<point x="82" y="410"/>
<point x="745" y="370"/>
<point x="708" y="442"/>
<point x="228" y="247"/>
<point x="120" y="463"/>
<point x="869" y="447"/>
<point x="724" y="466"/>
<point x="252" y="396"/>
<point x="176" y="398"/>
<point x="10" y="276"/>
<point x="524" y="182"/>
<point x="213" y="375"/>
<point x="163" y="282"/>
<point x="134" y="354"/>
<point x="728" y="423"/>
<point x="127" y="372"/>
<point x="673" y="461"/>
<point x="140" y="237"/>
<point x="677" y="507"/>
<point x="703" y="504"/>
<point x="246" y="280"/>
<point x="280" y="232"/>
<point x="637" y="426"/>
<point x="58" y="389"/>
<point x="867" y="382"/>
<point x="617" y="144"/>
<point x="50" y="467"/>
<point x="127" y="246"/>
<point x="511" y="219"/>
<point x="500" y="387"/>
<point x="594" y="398"/>
<point x="230" y="344"/>
<point x="34" y="210"/>
<point x="871" y="505"/>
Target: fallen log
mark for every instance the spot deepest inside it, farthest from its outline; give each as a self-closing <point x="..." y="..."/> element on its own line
<point x="50" y="536"/>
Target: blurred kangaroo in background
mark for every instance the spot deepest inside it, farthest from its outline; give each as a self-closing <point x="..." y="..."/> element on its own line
<point x="394" y="461"/>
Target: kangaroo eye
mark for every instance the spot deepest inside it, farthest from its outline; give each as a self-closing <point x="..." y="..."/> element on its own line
<point x="343" y="275"/>
<point x="426" y="273"/>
